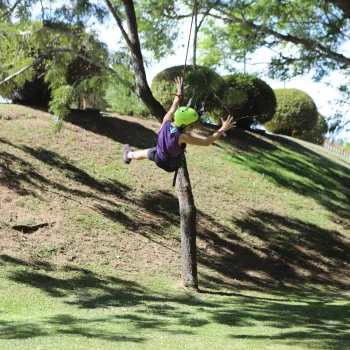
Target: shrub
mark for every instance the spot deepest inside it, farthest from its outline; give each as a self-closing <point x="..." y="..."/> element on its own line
<point x="296" y="113"/>
<point x="247" y="95"/>
<point x="204" y="86"/>
<point x="316" y="134"/>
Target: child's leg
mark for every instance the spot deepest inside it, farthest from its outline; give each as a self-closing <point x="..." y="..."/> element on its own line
<point x="129" y="155"/>
<point x="138" y="155"/>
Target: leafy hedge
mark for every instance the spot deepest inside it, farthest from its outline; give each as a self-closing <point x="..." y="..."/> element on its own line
<point x="204" y="86"/>
<point x="317" y="133"/>
<point x="296" y="113"/>
<point x="247" y="95"/>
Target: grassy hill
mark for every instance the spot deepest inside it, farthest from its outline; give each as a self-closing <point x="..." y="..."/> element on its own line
<point x="89" y="247"/>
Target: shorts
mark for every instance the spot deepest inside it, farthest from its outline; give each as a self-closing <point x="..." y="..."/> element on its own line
<point x="152" y="155"/>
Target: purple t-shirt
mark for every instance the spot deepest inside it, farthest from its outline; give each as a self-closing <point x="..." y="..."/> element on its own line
<point x="168" y="149"/>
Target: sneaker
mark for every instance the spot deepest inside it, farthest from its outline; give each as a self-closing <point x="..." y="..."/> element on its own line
<point x="126" y="149"/>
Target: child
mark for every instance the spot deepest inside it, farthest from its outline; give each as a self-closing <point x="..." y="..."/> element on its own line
<point x="173" y="136"/>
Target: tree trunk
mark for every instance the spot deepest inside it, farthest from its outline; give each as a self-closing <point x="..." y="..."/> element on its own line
<point x="142" y="89"/>
<point x="188" y="213"/>
<point x="183" y="185"/>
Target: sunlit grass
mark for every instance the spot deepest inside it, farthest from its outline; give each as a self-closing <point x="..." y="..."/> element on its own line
<point x="79" y="309"/>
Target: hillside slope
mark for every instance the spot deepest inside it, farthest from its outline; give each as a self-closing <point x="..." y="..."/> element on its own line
<point x="272" y="212"/>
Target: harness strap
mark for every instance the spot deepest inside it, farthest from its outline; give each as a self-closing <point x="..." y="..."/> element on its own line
<point x="177" y="170"/>
<point x="175" y="176"/>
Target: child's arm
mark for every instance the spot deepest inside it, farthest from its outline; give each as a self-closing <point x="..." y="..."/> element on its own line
<point x="228" y="124"/>
<point x="177" y="99"/>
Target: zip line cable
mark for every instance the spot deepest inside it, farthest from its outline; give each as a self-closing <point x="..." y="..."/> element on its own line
<point x="188" y="42"/>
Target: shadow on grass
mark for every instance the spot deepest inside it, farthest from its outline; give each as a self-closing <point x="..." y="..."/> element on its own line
<point x="299" y="169"/>
<point x="63" y="325"/>
<point x="162" y="204"/>
<point x="270" y="252"/>
<point x="117" y="129"/>
<point x="284" y="162"/>
<point x="319" y="324"/>
<point x="284" y="252"/>
<point x="314" y="325"/>
<point x="28" y="179"/>
<point x="155" y="205"/>
<point x="264" y="251"/>
<point x="28" y="175"/>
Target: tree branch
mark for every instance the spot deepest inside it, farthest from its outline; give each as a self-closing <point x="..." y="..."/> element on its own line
<point x="206" y="13"/>
<point x="289" y="38"/>
<point x="97" y="64"/>
<point x="10" y="11"/>
<point x="119" y="23"/>
<point x="12" y="76"/>
<point x="333" y="27"/>
<point x="178" y="17"/>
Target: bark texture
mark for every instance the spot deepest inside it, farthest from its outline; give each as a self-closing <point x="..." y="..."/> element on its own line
<point x="142" y="88"/>
<point x="188" y="214"/>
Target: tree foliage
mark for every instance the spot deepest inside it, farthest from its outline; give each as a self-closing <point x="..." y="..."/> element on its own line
<point x="296" y="113"/>
<point x="304" y="36"/>
<point x="55" y="55"/>
<point x="121" y="98"/>
<point x="316" y="33"/>
<point x="204" y="86"/>
<point x="63" y="35"/>
<point x="247" y="95"/>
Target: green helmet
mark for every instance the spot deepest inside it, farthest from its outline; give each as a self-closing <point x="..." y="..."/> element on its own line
<point x="186" y="116"/>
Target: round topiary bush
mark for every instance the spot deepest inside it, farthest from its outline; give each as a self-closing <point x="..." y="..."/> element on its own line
<point x="204" y="86"/>
<point x="317" y="133"/>
<point x="247" y="95"/>
<point x="296" y="113"/>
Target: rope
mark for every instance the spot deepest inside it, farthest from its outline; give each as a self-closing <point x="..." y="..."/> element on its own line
<point x="189" y="38"/>
<point x="183" y="74"/>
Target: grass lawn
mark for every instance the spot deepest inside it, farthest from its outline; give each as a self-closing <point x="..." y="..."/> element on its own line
<point x="99" y="264"/>
<point x="76" y="308"/>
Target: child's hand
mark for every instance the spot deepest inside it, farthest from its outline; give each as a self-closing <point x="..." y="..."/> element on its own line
<point x="228" y="124"/>
<point x="179" y="85"/>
